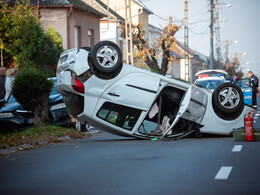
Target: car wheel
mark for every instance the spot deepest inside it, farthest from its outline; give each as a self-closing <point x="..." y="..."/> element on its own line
<point x="106" y="57"/>
<point x="228" y="98"/>
<point x="82" y="127"/>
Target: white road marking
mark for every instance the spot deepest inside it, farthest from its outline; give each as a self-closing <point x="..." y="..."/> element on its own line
<point x="237" y="148"/>
<point x="223" y="172"/>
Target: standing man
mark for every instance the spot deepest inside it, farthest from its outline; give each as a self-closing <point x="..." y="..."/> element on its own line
<point x="2" y="82"/>
<point x="254" y="85"/>
<point x="234" y="79"/>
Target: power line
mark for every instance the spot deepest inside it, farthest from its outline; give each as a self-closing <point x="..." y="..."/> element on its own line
<point x="160" y="17"/>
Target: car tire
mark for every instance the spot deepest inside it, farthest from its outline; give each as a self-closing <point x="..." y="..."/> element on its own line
<point x="82" y="127"/>
<point x="228" y="98"/>
<point x="106" y="58"/>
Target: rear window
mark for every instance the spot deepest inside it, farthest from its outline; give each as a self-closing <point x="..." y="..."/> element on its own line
<point x="121" y="116"/>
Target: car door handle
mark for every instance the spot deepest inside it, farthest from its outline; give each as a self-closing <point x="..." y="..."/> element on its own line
<point x="113" y="94"/>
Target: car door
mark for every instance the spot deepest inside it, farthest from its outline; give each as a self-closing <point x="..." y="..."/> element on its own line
<point x="244" y="84"/>
<point x="131" y="96"/>
<point x="194" y="104"/>
<point x="136" y="90"/>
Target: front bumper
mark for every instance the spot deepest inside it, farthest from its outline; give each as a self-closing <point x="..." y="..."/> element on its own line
<point x="11" y="124"/>
<point x="60" y="117"/>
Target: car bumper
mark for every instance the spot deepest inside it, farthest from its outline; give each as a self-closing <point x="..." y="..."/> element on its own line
<point x="60" y="117"/>
<point x="11" y="124"/>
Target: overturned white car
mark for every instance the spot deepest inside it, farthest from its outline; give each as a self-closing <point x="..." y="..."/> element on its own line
<point x="100" y="90"/>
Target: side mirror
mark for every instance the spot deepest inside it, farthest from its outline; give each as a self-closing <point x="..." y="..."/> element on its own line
<point x="2" y="102"/>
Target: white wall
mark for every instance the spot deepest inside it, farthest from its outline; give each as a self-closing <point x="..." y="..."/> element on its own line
<point x="108" y="31"/>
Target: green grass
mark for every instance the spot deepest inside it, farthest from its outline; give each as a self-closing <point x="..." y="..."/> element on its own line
<point x="36" y="136"/>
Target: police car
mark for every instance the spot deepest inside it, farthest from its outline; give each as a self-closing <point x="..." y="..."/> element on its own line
<point x="210" y="79"/>
<point x="244" y="84"/>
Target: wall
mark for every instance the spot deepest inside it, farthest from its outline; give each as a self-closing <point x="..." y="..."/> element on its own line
<point x="108" y="31"/>
<point x="85" y="22"/>
<point x="57" y="17"/>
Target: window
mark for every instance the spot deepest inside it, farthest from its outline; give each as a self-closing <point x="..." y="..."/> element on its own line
<point x="121" y="116"/>
<point x="77" y="36"/>
<point x="90" y="38"/>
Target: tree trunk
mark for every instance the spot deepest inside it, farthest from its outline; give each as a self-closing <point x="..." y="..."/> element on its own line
<point x="41" y="112"/>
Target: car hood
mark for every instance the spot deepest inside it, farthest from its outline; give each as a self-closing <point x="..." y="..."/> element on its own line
<point x="9" y="107"/>
<point x="55" y="98"/>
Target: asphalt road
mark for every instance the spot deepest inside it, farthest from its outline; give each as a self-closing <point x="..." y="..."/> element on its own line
<point x="108" y="164"/>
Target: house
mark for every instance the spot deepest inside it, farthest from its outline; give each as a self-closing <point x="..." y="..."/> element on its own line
<point x="139" y="13"/>
<point x="76" y="21"/>
<point x="110" y="27"/>
<point x="109" y="24"/>
<point x="176" y="68"/>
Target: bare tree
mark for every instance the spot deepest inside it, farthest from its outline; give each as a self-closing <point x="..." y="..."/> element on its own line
<point x="164" y="45"/>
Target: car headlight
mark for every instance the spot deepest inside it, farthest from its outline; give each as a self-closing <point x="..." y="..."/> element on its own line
<point x="6" y="115"/>
<point x="57" y="106"/>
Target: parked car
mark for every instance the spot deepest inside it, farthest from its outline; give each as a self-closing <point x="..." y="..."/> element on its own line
<point x="210" y="79"/>
<point x="100" y="90"/>
<point x="13" y="116"/>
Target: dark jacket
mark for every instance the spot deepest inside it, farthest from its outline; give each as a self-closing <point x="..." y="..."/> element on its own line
<point x="254" y="82"/>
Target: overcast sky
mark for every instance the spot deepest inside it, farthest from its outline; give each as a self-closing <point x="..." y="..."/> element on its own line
<point x="239" y="24"/>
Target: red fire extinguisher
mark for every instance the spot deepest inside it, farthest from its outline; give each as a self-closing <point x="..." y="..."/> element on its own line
<point x="249" y="126"/>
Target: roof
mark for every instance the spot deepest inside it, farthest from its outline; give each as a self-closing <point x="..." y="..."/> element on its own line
<point x="78" y="4"/>
<point x="143" y="6"/>
<point x="179" y="52"/>
<point x="211" y="72"/>
<point x="102" y="6"/>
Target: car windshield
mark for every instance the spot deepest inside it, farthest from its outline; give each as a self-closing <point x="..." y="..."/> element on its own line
<point x="208" y="84"/>
<point x="54" y="90"/>
<point x="11" y="99"/>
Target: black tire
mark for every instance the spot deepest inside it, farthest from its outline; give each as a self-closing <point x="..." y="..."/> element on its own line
<point x="106" y="57"/>
<point x="81" y="127"/>
<point x="228" y="98"/>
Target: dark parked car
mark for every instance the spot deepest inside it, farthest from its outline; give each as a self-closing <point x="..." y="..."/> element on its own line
<point x="13" y="116"/>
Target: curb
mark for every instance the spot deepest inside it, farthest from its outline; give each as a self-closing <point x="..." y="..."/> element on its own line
<point x="14" y="149"/>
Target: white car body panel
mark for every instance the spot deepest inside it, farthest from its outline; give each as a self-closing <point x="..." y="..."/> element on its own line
<point x="135" y="89"/>
<point x="196" y="103"/>
<point x="76" y="61"/>
<point x="215" y="125"/>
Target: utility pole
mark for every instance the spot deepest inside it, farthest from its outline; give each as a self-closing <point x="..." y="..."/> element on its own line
<point x="211" y="33"/>
<point x="128" y="33"/>
<point x="218" y="48"/>
<point x="186" y="42"/>
<point x="227" y="51"/>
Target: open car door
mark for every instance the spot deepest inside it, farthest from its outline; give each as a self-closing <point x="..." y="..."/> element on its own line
<point x="244" y="84"/>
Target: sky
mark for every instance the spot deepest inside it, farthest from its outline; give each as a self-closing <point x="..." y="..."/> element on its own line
<point x="239" y="24"/>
